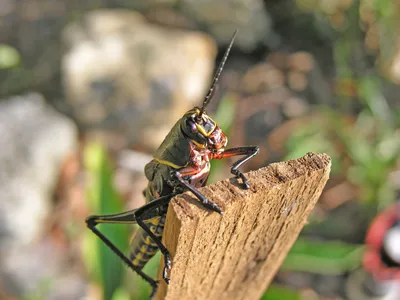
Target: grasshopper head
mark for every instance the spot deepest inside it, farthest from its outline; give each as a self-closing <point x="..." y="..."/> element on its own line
<point x="204" y="131"/>
<point x="198" y="126"/>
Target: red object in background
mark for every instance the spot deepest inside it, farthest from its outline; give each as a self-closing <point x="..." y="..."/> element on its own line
<point x="373" y="260"/>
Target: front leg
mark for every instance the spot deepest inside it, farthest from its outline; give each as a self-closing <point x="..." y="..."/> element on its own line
<point x="249" y="151"/>
<point x="206" y="203"/>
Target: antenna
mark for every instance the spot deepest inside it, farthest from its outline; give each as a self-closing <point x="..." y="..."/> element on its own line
<point x="211" y="91"/>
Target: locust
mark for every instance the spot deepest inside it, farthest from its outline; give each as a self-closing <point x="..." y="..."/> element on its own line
<point x="181" y="163"/>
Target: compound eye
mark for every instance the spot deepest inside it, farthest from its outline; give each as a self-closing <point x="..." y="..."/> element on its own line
<point x="192" y="125"/>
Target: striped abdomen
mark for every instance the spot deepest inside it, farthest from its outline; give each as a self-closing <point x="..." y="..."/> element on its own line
<point x="143" y="247"/>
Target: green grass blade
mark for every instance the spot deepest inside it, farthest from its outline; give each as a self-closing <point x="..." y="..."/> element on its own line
<point x="278" y="292"/>
<point x="104" y="266"/>
<point x="323" y="257"/>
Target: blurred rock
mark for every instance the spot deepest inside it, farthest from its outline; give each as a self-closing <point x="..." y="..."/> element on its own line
<point x="43" y="271"/>
<point x="297" y="81"/>
<point x="390" y="64"/>
<point x="335" y="225"/>
<point x="133" y="161"/>
<point x="294" y="66"/>
<point x="33" y="27"/>
<point x="262" y="77"/>
<point x="297" y="280"/>
<point x="168" y="16"/>
<point x="221" y="18"/>
<point x="35" y="140"/>
<point x="125" y="75"/>
<point x="312" y="284"/>
<point x="130" y="179"/>
<point x="302" y="61"/>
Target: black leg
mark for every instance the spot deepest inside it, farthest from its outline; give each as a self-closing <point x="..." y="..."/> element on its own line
<point x="164" y="251"/>
<point x="206" y="203"/>
<point x="148" y="211"/>
<point x="249" y="151"/>
<point x="141" y="216"/>
<point x="149" y="280"/>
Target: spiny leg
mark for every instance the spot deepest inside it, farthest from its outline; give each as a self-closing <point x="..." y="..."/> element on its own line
<point x="149" y="280"/>
<point x="206" y="203"/>
<point x="139" y="214"/>
<point x="249" y="151"/>
<point x="128" y="218"/>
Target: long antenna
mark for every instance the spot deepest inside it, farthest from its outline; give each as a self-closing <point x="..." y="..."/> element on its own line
<point x="211" y="91"/>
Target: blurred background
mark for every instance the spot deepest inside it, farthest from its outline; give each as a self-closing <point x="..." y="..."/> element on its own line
<point x="89" y="89"/>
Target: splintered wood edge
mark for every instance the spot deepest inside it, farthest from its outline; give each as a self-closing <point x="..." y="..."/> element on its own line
<point x="187" y="207"/>
<point x="185" y="215"/>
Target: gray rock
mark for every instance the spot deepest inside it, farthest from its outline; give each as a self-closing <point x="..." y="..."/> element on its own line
<point x="33" y="27"/>
<point x="41" y="269"/>
<point x="125" y="75"/>
<point x="221" y="18"/>
<point x="35" y="142"/>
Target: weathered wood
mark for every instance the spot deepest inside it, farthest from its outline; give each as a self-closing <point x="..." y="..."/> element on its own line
<point x="235" y="256"/>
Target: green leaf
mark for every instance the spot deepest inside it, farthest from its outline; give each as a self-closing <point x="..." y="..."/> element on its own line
<point x="311" y="138"/>
<point x="121" y="294"/>
<point x="323" y="257"/>
<point x="369" y="88"/>
<point x="279" y="292"/>
<point x="9" y="57"/>
<point x="104" y="266"/>
<point x="225" y="113"/>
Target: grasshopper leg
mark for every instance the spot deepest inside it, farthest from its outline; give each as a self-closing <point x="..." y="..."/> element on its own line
<point x="248" y="151"/>
<point x="129" y="217"/>
<point x="140" y="215"/>
<point x="206" y="203"/>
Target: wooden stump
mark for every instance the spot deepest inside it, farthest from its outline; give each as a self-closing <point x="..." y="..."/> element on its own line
<point x="235" y="256"/>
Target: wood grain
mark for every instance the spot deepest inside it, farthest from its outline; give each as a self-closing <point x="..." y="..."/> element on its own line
<point x="235" y="256"/>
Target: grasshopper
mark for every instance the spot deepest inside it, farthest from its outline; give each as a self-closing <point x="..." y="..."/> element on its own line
<point x="182" y="162"/>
